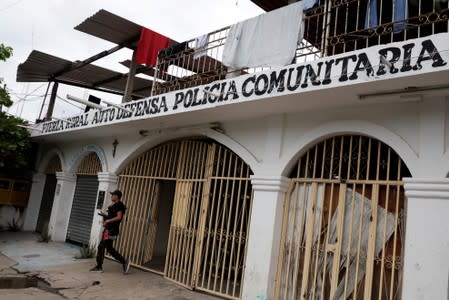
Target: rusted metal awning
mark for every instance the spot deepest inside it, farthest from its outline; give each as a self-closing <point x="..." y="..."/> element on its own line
<point x="41" y="67"/>
<point x="110" y="27"/>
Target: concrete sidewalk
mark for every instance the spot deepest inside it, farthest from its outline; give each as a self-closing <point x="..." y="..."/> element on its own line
<point x="69" y="278"/>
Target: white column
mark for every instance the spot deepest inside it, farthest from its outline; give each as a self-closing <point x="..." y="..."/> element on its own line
<point x="62" y="206"/>
<point x="426" y="262"/>
<point x="107" y="182"/>
<point x="264" y="236"/>
<point x="34" y="202"/>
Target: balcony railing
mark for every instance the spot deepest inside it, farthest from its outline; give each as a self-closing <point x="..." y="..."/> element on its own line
<point x="332" y="27"/>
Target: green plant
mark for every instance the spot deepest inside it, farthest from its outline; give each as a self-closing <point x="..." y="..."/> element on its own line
<point x="14" y="226"/>
<point x="86" y="252"/>
<point x="44" y="237"/>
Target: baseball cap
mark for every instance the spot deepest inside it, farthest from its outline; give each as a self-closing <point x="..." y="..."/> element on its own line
<point x="117" y="192"/>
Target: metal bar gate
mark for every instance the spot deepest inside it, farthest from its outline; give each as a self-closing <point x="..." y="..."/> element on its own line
<point x="343" y="225"/>
<point x="209" y="220"/>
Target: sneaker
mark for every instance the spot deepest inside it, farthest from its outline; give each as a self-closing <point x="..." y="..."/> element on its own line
<point x="96" y="269"/>
<point x="126" y="266"/>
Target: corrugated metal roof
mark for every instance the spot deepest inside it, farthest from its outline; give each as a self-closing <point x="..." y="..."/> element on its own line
<point x="40" y="67"/>
<point x="108" y="26"/>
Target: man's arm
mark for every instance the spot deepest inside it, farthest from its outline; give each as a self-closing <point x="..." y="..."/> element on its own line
<point x="116" y="218"/>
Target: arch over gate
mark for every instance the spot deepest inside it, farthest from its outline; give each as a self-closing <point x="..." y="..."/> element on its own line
<point x="140" y="147"/>
<point x="84" y="198"/>
<point x="87" y="150"/>
<point x="203" y="189"/>
<point x="343" y="224"/>
<point x="50" y="165"/>
<point x="49" y="158"/>
<point x="327" y="130"/>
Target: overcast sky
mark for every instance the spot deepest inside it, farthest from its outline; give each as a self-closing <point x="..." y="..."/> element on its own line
<point x="47" y="26"/>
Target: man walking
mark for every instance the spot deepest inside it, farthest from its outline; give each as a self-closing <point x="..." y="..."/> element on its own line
<point x="111" y="224"/>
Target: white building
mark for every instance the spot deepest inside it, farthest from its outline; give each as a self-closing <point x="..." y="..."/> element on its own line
<point x="323" y="179"/>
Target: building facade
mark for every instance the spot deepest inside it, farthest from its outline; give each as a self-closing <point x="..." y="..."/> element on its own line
<point x="323" y="179"/>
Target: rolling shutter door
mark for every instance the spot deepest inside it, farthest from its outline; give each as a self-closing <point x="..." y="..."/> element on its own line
<point x="83" y="208"/>
<point x="47" y="202"/>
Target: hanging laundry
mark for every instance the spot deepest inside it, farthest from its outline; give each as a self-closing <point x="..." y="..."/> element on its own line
<point x="308" y="4"/>
<point x="270" y="39"/>
<point x="150" y="44"/>
<point x="200" y="45"/>
<point x="400" y="8"/>
<point x="172" y="50"/>
<point x="371" y="14"/>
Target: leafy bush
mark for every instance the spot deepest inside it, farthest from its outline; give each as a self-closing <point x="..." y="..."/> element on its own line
<point x="86" y="252"/>
<point x="44" y="237"/>
<point x="14" y="226"/>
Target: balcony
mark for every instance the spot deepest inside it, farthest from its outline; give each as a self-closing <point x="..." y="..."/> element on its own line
<point x="331" y="27"/>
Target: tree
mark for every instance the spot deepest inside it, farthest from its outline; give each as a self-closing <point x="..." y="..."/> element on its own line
<point x="5" y="100"/>
<point x="14" y="141"/>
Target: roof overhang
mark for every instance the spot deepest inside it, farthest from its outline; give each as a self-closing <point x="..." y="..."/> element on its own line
<point x="42" y="67"/>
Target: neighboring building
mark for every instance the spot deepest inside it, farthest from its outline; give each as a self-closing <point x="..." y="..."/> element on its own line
<point x="323" y="179"/>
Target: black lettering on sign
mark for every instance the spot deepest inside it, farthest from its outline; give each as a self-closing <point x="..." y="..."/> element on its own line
<point x="179" y="97"/>
<point x="245" y="91"/>
<point x="432" y="54"/>
<point x="261" y="84"/>
<point x="327" y="74"/>
<point x="396" y="55"/>
<point x="312" y="75"/>
<point x="344" y="67"/>
<point x="297" y="80"/>
<point x="277" y="81"/>
<point x="363" y="64"/>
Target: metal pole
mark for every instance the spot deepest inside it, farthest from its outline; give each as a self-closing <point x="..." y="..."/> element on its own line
<point x="43" y="102"/>
<point x="51" y="105"/>
<point x="130" y="82"/>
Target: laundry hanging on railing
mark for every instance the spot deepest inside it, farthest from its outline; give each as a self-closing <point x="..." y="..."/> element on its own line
<point x="308" y="4"/>
<point x="371" y="14"/>
<point x="200" y="45"/>
<point x="150" y="43"/>
<point x="270" y="39"/>
<point x="400" y="8"/>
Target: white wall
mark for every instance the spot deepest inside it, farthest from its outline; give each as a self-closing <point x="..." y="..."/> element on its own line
<point x="418" y="131"/>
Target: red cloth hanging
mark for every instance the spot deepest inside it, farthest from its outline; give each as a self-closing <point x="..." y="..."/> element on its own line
<point x="150" y="44"/>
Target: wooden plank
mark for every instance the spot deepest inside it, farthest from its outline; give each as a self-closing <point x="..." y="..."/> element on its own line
<point x="371" y="244"/>
<point x="204" y="207"/>
<point x="310" y="221"/>
<point x="338" y="244"/>
<point x="284" y="237"/>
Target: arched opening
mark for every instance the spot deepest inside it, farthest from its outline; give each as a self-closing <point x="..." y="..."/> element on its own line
<point x="343" y="225"/>
<point x="84" y="199"/>
<point x="188" y="207"/>
<point x="53" y="166"/>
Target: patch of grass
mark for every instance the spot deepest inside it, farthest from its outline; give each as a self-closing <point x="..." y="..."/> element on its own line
<point x="86" y="252"/>
<point x="14" y="226"/>
<point x="44" y="237"/>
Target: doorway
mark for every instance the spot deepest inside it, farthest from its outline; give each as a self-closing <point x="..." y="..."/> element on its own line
<point x="163" y="217"/>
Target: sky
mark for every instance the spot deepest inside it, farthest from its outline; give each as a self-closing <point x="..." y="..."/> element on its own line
<point x="47" y="26"/>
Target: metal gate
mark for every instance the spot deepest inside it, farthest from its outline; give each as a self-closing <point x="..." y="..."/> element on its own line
<point x="209" y="223"/>
<point x="46" y="203"/>
<point x="48" y="195"/>
<point x="83" y="205"/>
<point x="343" y="225"/>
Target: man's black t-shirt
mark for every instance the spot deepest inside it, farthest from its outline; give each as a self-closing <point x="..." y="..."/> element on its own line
<point x="113" y="209"/>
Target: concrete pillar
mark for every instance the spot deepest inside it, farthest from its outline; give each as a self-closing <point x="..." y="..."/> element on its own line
<point x="34" y="202"/>
<point x="107" y="182"/>
<point x="264" y="236"/>
<point x="62" y="206"/>
<point x="426" y="261"/>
